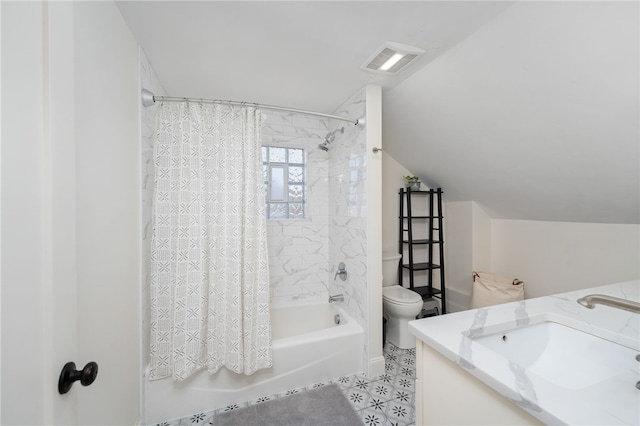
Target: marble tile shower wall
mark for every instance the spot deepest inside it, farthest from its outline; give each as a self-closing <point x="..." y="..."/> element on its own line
<point x="148" y="80"/>
<point x="299" y="249"/>
<point x="348" y="212"/>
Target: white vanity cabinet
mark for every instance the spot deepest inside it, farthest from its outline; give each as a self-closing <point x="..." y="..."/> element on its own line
<point x="448" y="395"/>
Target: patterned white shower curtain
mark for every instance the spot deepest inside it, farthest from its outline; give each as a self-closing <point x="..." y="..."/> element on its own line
<point x="209" y="268"/>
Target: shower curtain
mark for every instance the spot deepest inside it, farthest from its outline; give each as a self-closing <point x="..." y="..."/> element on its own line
<point x="209" y="280"/>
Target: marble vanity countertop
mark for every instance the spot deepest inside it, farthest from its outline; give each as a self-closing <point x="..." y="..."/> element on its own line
<point x="609" y="402"/>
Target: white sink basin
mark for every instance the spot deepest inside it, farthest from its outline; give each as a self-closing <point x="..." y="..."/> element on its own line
<point x="563" y="355"/>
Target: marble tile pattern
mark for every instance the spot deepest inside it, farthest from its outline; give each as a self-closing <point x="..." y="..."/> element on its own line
<point x="386" y="400"/>
<point x="348" y="212"/>
<point x="612" y="401"/>
<point x="148" y="80"/>
<point x="299" y="248"/>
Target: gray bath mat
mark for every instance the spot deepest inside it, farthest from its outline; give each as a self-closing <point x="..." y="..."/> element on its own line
<point x="317" y="407"/>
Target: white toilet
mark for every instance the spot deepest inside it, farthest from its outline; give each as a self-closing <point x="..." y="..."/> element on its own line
<point x="399" y="305"/>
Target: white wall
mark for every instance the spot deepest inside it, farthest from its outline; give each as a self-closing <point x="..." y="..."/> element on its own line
<point x="107" y="167"/>
<point x="458" y="225"/>
<point x="534" y="116"/>
<point x="481" y="234"/>
<point x="467" y="249"/>
<point x="555" y="257"/>
<point x="392" y="181"/>
<point x="550" y="257"/>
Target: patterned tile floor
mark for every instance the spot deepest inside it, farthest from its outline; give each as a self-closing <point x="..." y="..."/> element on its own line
<point x="387" y="400"/>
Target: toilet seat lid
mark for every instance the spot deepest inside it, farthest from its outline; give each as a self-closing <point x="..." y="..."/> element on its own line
<point x="397" y="294"/>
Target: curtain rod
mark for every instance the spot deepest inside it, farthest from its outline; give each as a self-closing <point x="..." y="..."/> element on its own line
<point x="148" y="99"/>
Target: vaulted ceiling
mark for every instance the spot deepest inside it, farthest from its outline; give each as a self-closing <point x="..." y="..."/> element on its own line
<point x="529" y="108"/>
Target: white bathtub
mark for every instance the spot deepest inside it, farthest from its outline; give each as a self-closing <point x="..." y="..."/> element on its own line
<point x="308" y="347"/>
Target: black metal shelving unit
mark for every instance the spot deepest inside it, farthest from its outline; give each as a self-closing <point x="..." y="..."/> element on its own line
<point x="422" y="264"/>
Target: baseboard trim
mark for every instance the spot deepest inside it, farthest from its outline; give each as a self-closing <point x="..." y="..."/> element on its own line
<point x="457" y="300"/>
<point x="376" y="367"/>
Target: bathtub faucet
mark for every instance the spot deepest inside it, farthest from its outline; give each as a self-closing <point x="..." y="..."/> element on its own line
<point x="336" y="298"/>
<point x="341" y="272"/>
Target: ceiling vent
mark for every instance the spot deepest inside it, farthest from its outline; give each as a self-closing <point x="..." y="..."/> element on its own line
<point x="391" y="57"/>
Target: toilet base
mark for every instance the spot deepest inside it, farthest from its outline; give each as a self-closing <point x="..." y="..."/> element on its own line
<point x="398" y="333"/>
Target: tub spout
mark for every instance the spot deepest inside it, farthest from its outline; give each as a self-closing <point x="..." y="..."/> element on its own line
<point x="592" y="300"/>
<point x="336" y="298"/>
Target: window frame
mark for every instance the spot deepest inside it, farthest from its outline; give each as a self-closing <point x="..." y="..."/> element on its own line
<point x="272" y="203"/>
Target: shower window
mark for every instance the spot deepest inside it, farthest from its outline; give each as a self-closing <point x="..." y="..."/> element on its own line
<point x="284" y="182"/>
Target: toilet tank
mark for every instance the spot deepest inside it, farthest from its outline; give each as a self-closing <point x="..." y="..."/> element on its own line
<point x="390" y="268"/>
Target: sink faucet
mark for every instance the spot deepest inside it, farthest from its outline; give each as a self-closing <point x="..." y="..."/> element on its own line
<point x="336" y="298"/>
<point x="592" y="300"/>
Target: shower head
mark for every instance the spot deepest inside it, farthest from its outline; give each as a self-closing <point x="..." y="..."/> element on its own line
<point x="332" y="135"/>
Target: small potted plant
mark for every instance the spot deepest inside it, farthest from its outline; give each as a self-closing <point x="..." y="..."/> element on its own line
<point x="412" y="182"/>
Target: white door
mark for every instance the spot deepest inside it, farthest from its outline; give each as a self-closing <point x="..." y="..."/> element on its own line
<point x="69" y="199"/>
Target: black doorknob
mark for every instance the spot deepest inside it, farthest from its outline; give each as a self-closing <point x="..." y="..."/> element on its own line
<point x="69" y="374"/>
